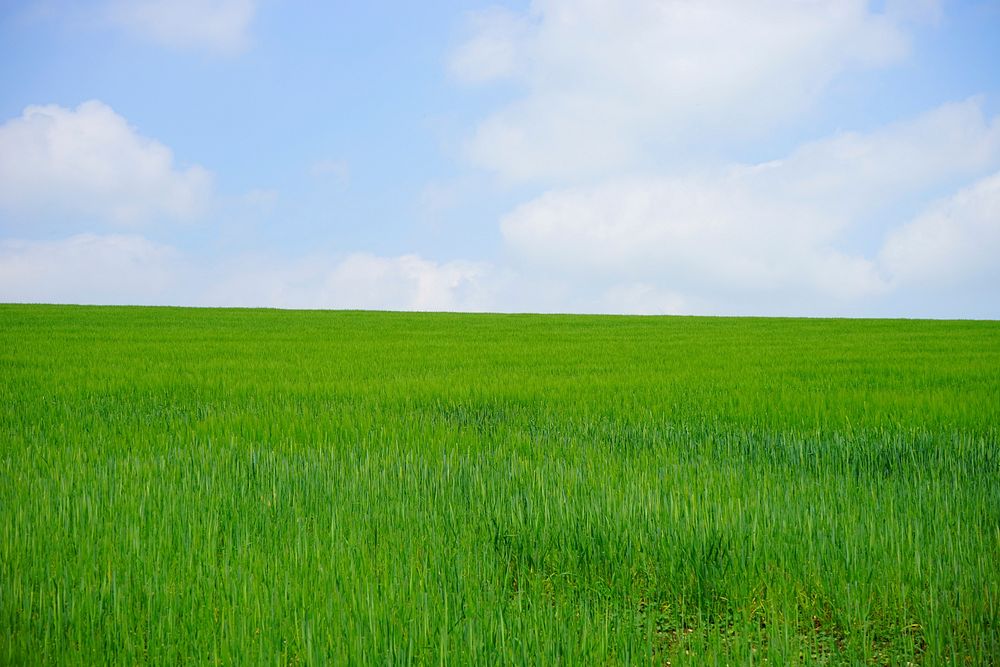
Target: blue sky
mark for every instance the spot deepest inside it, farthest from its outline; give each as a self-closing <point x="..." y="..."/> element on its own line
<point x="821" y="157"/>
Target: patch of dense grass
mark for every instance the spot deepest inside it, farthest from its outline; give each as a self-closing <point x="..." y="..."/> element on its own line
<point x="264" y="487"/>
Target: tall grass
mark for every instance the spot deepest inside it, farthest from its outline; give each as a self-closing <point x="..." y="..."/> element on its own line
<point x="258" y="487"/>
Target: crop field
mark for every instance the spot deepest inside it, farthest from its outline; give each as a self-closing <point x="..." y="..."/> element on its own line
<point x="243" y="487"/>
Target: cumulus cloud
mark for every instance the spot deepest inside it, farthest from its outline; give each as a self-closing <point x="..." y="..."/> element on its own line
<point x="89" y="268"/>
<point x="763" y="236"/>
<point x="854" y="172"/>
<point x="357" y="281"/>
<point x="941" y="263"/>
<point x="955" y="242"/>
<point x="607" y="82"/>
<point x="615" y="101"/>
<point x="220" y="26"/>
<point x="89" y="165"/>
<point x="702" y="237"/>
<point x="642" y="299"/>
<point x="117" y="268"/>
<point x="490" y="50"/>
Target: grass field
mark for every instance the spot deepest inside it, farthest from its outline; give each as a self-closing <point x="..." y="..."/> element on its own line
<point x="248" y="487"/>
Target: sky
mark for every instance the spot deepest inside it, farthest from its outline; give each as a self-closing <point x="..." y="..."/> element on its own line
<point x="712" y="157"/>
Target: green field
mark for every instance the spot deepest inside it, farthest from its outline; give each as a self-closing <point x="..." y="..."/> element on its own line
<point x="245" y="487"/>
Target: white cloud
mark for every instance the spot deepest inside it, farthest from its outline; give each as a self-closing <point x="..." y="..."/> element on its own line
<point x="955" y="242"/>
<point x="756" y="238"/>
<point x="491" y="48"/>
<point x="608" y="82"/>
<point x="942" y="263"/>
<point x="89" y="165"/>
<point x="220" y="26"/>
<point x="618" y="99"/>
<point x="88" y="268"/>
<point x="701" y="237"/>
<point x="408" y="281"/>
<point x="109" y="269"/>
<point x="854" y="172"/>
<point x="641" y="299"/>
<point x="358" y="280"/>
